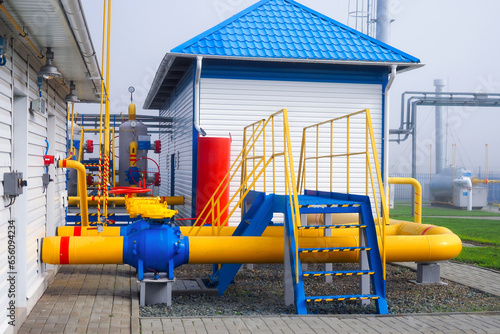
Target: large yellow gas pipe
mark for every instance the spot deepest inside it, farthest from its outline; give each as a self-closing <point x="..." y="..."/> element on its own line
<point x="433" y="244"/>
<point x="82" y="186"/>
<point x="418" y="193"/>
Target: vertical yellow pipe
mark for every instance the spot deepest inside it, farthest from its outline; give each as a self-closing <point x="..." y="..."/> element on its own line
<point x="418" y="194"/>
<point x="100" y="114"/>
<point x="72" y="122"/>
<point x="82" y="138"/>
<point x="82" y="186"/>
<point x="107" y="113"/>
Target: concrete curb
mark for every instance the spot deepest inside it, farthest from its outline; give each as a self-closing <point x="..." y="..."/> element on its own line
<point x="134" y="296"/>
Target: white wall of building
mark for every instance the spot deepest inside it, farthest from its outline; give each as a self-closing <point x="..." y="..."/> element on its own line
<point x="36" y="213"/>
<point x="228" y="105"/>
<point x="180" y="144"/>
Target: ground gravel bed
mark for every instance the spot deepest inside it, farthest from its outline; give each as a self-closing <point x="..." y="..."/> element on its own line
<point x="260" y="292"/>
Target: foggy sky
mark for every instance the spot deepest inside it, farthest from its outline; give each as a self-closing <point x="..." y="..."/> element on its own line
<point x="457" y="40"/>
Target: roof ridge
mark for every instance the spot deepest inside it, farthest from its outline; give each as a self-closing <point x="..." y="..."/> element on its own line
<point x="337" y="40"/>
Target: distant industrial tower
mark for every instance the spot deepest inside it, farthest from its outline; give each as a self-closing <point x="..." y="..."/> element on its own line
<point x="371" y="17"/>
<point x="361" y="16"/>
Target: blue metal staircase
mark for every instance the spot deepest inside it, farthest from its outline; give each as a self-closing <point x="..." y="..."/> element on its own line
<point x="253" y="224"/>
<point x="326" y="202"/>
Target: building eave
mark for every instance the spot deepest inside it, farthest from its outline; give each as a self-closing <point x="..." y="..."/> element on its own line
<point x="168" y="61"/>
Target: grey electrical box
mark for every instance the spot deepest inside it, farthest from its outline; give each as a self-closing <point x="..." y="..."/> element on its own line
<point x="13" y="184"/>
<point x="46" y="180"/>
<point x="38" y="105"/>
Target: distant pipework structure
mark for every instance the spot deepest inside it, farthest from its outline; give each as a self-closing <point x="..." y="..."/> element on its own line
<point x="440" y="128"/>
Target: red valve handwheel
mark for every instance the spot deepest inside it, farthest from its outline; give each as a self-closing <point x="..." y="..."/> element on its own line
<point x="128" y="190"/>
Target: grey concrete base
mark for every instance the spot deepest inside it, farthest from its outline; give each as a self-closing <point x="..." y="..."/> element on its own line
<point x="155" y="291"/>
<point x="428" y="273"/>
<point x="289" y="293"/>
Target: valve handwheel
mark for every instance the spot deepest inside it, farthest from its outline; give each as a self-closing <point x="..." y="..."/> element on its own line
<point x="128" y="190"/>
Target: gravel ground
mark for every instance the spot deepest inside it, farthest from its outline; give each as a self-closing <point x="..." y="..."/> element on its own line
<point x="260" y="292"/>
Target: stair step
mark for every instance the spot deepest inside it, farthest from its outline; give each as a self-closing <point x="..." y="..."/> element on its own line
<point x="333" y="249"/>
<point x="310" y="299"/>
<point x="337" y="273"/>
<point x="319" y="227"/>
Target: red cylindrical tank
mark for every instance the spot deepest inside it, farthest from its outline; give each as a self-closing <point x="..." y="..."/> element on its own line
<point x="214" y="160"/>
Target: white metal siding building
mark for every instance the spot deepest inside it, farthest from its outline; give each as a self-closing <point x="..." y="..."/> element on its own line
<point x="24" y="135"/>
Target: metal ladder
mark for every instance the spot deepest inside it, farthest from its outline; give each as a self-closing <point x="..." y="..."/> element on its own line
<point x="370" y="260"/>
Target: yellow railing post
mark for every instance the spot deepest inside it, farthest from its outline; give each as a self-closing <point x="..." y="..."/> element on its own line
<point x="418" y="194"/>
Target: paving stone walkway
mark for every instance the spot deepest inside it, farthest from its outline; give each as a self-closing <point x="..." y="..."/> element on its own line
<point x="103" y="299"/>
<point x="455" y="323"/>
<point x="84" y="299"/>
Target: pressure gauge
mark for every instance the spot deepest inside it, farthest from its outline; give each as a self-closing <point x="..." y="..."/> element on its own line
<point x="133" y="123"/>
<point x="131" y="89"/>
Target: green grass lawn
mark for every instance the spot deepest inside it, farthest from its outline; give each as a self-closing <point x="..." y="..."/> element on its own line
<point x="479" y="231"/>
<point x="405" y="209"/>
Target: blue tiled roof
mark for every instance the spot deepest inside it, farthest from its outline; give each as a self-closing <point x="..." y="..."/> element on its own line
<point x="287" y="29"/>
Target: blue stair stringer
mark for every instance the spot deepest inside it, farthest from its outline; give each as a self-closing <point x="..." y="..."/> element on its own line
<point x="253" y="224"/>
<point x="326" y="202"/>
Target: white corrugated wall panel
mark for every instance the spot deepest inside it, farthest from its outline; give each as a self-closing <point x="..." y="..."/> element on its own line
<point x="228" y="105"/>
<point x="5" y="163"/>
<point x="36" y="211"/>
<point x="180" y="144"/>
<point x="36" y="222"/>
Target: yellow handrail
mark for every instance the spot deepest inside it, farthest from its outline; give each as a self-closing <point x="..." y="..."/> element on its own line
<point x="418" y="194"/>
<point x="350" y="150"/>
<point x="254" y="150"/>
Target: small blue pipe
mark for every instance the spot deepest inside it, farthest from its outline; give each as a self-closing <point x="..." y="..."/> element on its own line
<point x="47" y="152"/>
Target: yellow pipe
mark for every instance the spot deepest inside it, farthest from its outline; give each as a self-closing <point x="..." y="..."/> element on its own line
<point x="418" y="194"/>
<point x="107" y="113"/>
<point x="475" y="181"/>
<point x="75" y="200"/>
<point x="131" y="112"/>
<point x="77" y="250"/>
<point x="424" y="248"/>
<point x="82" y="138"/>
<point x="21" y="31"/>
<point x="72" y="123"/>
<point x="100" y="113"/>
<point x="172" y="200"/>
<point x="82" y="186"/>
<point x="433" y="244"/>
